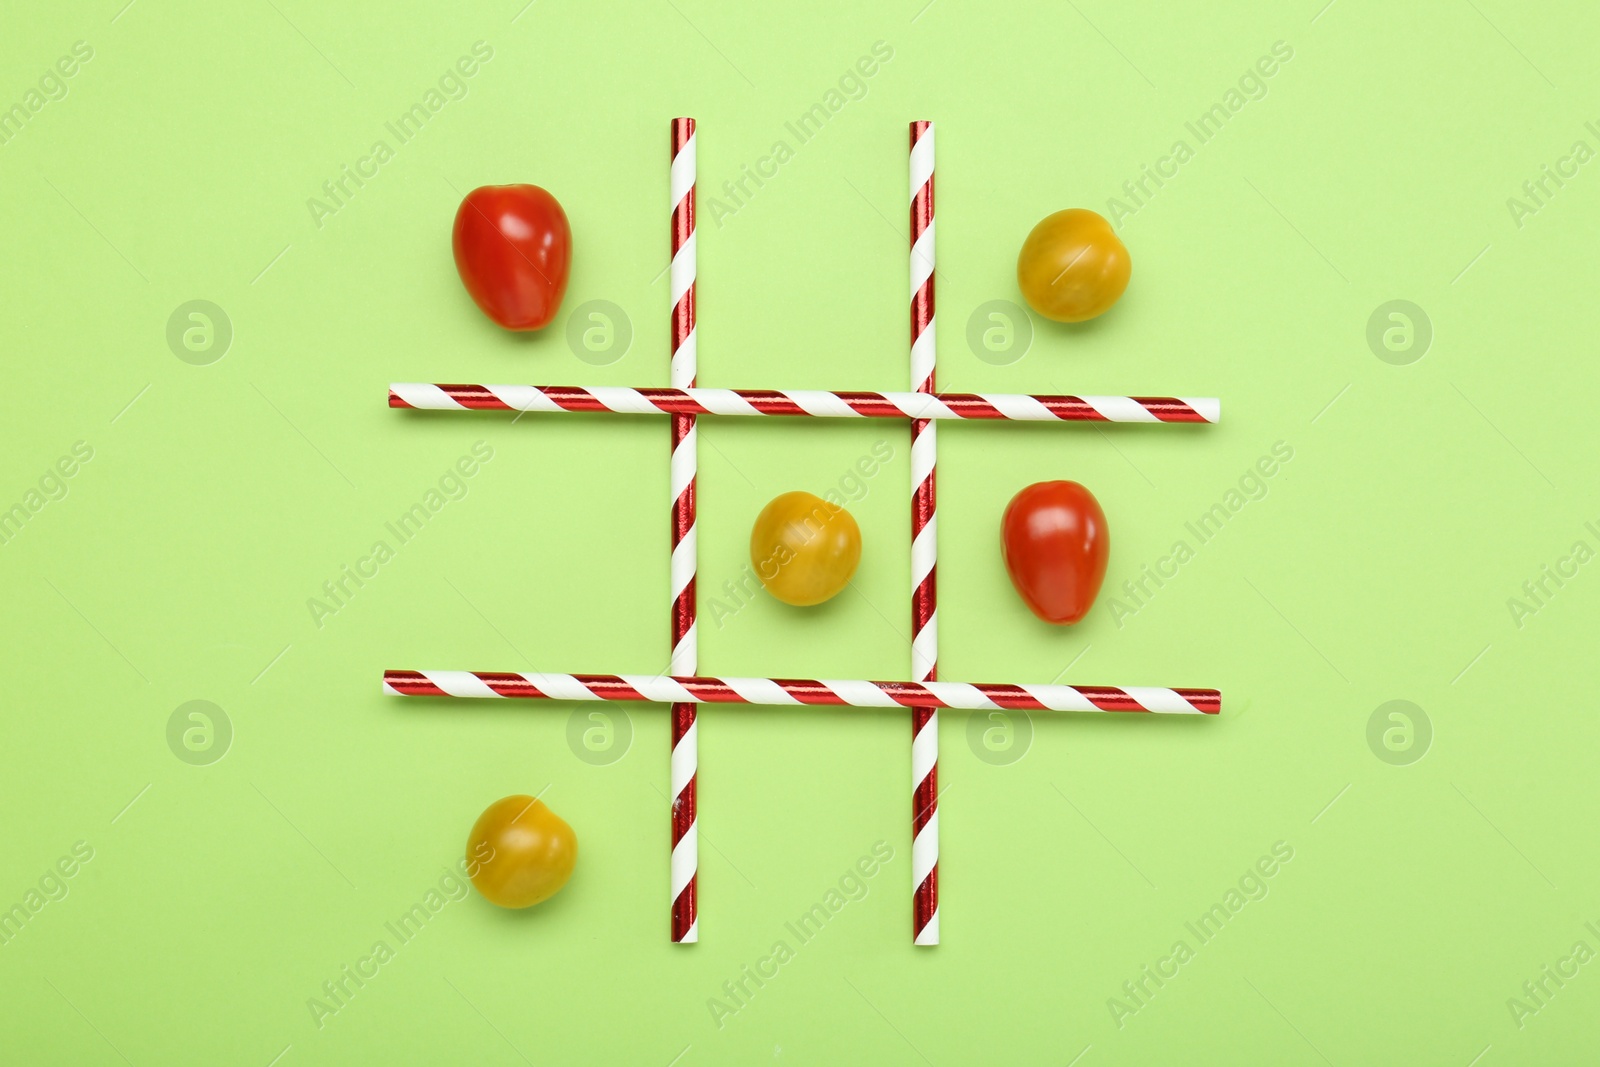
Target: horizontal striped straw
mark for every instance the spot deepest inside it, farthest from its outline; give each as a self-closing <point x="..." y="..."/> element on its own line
<point x="788" y="692"/>
<point x="817" y="403"/>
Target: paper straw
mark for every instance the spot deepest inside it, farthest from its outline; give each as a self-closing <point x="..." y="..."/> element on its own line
<point x="790" y="692"/>
<point x="685" y="747"/>
<point x="813" y="403"/>
<point x="924" y="552"/>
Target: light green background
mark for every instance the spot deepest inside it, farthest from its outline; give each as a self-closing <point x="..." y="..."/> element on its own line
<point x="1377" y="567"/>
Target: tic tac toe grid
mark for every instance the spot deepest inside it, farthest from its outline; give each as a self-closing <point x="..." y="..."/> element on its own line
<point x="923" y="407"/>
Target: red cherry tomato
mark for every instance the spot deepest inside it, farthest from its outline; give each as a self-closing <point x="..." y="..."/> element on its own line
<point x="1055" y="543"/>
<point x="513" y="249"/>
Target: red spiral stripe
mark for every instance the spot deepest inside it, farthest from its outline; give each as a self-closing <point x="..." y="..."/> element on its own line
<point x="805" y="691"/>
<point x="925" y="792"/>
<point x="684" y="905"/>
<point x="873" y="405"/>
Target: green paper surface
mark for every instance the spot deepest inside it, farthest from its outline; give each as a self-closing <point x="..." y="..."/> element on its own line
<point x="1318" y="875"/>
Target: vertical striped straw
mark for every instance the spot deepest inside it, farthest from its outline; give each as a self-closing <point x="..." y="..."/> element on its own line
<point x="685" y="748"/>
<point x="924" y="554"/>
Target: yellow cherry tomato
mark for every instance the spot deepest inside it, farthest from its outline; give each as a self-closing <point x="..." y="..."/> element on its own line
<point x="804" y="549"/>
<point x="520" y="852"/>
<point x="1073" y="266"/>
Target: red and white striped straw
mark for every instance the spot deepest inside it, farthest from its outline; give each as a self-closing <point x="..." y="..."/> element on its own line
<point x="812" y="403"/>
<point x="924" y="553"/>
<point x="791" y="692"/>
<point x="685" y="732"/>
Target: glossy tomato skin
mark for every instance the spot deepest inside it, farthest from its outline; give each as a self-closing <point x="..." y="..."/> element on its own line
<point x="520" y="852"/>
<point x="1054" y="540"/>
<point x="804" y="549"/>
<point x="513" y="249"/>
<point x="1073" y="266"/>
